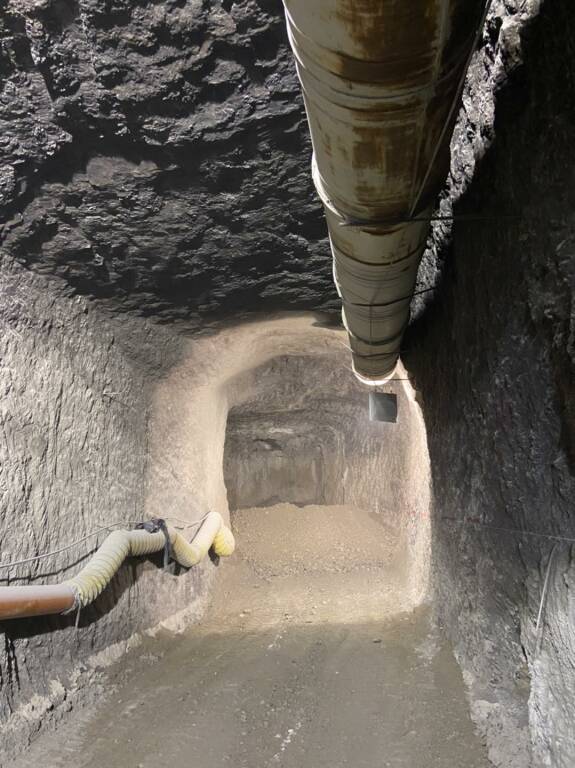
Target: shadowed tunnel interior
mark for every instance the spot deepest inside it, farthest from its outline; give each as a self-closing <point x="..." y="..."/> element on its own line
<point x="171" y="344"/>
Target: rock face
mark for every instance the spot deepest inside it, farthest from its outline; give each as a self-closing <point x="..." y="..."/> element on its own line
<point x="76" y="389"/>
<point x="494" y="361"/>
<point x="157" y="154"/>
<point x="156" y="157"/>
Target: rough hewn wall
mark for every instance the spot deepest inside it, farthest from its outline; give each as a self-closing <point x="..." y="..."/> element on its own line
<point x="494" y="359"/>
<point x="157" y="154"/>
<point x="75" y="394"/>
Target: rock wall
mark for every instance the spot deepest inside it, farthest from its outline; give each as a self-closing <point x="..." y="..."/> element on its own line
<point x="494" y="361"/>
<point x="76" y="391"/>
<point x="147" y="150"/>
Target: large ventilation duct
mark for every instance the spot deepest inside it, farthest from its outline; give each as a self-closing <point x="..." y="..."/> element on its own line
<point x="381" y="81"/>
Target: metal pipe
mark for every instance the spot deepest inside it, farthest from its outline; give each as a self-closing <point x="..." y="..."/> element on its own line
<point x="381" y="80"/>
<point x="17" y="602"/>
<point x="84" y="588"/>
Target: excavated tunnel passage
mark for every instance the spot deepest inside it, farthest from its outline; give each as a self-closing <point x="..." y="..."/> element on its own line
<point x="222" y="225"/>
<point x="318" y="647"/>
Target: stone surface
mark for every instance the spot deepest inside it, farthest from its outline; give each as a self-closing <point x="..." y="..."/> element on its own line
<point x="157" y="155"/>
<point x="494" y="362"/>
<point x="76" y="389"/>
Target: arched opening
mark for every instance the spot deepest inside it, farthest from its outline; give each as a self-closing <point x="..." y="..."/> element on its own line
<point x="267" y="420"/>
<point x="317" y="490"/>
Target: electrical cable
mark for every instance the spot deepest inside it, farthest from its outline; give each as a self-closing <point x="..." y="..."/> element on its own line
<point x="457" y="217"/>
<point x="503" y="529"/>
<point x="454" y="104"/>
<point x="539" y="625"/>
<point x="97" y="531"/>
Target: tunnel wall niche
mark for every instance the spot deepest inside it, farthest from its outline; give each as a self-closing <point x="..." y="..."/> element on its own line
<point x="290" y="461"/>
<point x="256" y="378"/>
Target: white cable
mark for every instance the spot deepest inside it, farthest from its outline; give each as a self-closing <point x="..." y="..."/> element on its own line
<point x="75" y="543"/>
<point x="539" y="624"/>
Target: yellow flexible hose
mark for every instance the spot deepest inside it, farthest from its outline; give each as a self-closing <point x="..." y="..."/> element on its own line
<point x="97" y="574"/>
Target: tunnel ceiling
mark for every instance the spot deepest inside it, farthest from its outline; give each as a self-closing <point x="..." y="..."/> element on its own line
<point x="157" y="154"/>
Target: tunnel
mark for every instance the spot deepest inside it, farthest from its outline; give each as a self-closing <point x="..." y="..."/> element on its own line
<point x="303" y="463"/>
<point x="287" y="439"/>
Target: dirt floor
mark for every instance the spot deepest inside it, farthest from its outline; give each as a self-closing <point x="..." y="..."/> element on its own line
<point x="305" y="659"/>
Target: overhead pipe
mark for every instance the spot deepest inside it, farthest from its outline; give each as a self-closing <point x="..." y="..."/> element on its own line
<point x="381" y="81"/>
<point x="84" y="588"/>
